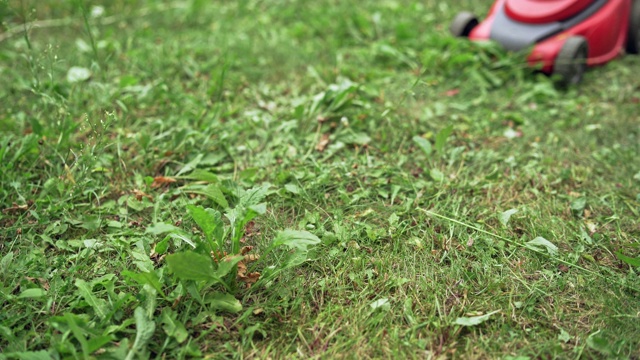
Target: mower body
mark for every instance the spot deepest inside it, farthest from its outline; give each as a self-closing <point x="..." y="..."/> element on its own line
<point x="544" y="25"/>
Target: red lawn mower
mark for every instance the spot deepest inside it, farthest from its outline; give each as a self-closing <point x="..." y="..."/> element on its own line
<point x="566" y="36"/>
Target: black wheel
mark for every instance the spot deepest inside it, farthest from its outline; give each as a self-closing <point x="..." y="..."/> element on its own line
<point x="571" y="62"/>
<point x="463" y="23"/>
<point x="633" y="32"/>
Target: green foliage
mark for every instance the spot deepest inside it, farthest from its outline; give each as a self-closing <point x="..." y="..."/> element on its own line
<point x="215" y="262"/>
<point x="192" y="266"/>
<point x="474" y="320"/>
<point x="145" y="327"/>
<point x="261" y="179"/>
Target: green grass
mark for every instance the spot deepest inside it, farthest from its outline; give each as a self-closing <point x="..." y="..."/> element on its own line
<point x="362" y="125"/>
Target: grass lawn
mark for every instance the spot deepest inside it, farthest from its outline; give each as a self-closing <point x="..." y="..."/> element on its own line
<point x="307" y="179"/>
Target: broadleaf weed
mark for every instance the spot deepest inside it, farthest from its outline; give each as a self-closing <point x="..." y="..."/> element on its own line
<point x="217" y="258"/>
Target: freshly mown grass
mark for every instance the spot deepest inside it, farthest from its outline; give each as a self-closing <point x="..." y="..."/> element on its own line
<point x="448" y="201"/>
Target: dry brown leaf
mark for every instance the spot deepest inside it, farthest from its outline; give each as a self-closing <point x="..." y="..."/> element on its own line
<point x="242" y="268"/>
<point x="247" y="278"/>
<point x="160" y="181"/>
<point x="15" y="208"/>
<point x="155" y="257"/>
<point x="322" y="144"/>
<point x="43" y="282"/>
<point x="251" y="257"/>
<point x="242" y="274"/>
<point x="250" y="278"/>
<point x="139" y="195"/>
<point x="251" y="229"/>
<point x="218" y="255"/>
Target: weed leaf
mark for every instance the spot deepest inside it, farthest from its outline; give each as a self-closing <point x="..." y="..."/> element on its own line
<point x="436" y="175"/>
<point x="357" y="138"/>
<point x="338" y="94"/>
<point x="201" y="175"/>
<point x="82" y="331"/>
<point x="634" y="262"/>
<point x="6" y="261"/>
<point x="564" y="336"/>
<point x="584" y="235"/>
<point x="75" y="322"/>
<point x="227" y="264"/>
<point x="540" y="241"/>
<point x="382" y="304"/>
<point x="142" y="278"/>
<point x="145" y="328"/>
<point x="161" y="228"/>
<point x="32" y="293"/>
<point x="141" y="257"/>
<point x="181" y="237"/>
<point x="599" y="344"/>
<point x="207" y="219"/>
<point x="441" y="138"/>
<point x="292" y="188"/>
<point x="192" y="289"/>
<point x="172" y="326"/>
<point x="162" y="246"/>
<point x="578" y="205"/>
<point x="474" y="320"/>
<point x="424" y="144"/>
<point x="292" y="259"/>
<point x="254" y="196"/>
<point x="98" y="305"/>
<point x="214" y="193"/>
<point x="96" y="343"/>
<point x="259" y="209"/>
<point x="506" y="216"/>
<point x="29" y="355"/>
<point x="191" y="165"/>
<point x="191" y="266"/>
<point x="295" y="239"/>
<point x="408" y="311"/>
<point x="224" y="302"/>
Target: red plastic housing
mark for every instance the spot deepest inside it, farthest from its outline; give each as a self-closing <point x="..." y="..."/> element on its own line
<point x="605" y="30"/>
<point x="544" y="11"/>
